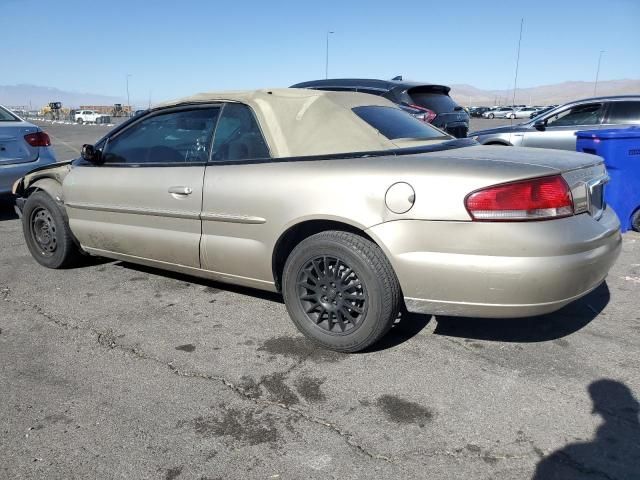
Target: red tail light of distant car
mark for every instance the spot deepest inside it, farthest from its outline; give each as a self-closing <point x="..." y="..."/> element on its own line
<point x="38" y="139"/>
<point x="428" y="116"/>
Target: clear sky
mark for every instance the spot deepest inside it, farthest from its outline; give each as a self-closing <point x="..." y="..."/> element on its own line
<point x="178" y="47"/>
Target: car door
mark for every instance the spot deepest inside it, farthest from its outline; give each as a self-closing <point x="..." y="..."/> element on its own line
<point x="232" y="246"/>
<point x="558" y="130"/>
<point x="144" y="202"/>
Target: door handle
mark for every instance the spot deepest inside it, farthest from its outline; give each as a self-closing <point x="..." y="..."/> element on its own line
<point x="180" y="190"/>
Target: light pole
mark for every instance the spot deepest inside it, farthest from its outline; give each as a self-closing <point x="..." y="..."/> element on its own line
<point x="515" y="80"/>
<point x="128" y="101"/>
<point x="595" y="87"/>
<point x="326" y="63"/>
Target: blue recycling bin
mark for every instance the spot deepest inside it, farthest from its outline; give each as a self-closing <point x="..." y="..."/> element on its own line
<point x="620" y="148"/>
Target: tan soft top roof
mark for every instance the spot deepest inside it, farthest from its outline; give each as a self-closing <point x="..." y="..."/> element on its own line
<point x="300" y="122"/>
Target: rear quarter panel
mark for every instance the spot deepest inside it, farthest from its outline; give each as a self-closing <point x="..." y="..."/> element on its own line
<point x="247" y="207"/>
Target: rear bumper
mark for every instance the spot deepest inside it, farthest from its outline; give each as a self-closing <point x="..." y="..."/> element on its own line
<point x="10" y="173"/>
<point x="499" y="269"/>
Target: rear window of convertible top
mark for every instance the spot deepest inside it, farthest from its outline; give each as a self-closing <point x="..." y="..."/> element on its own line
<point x="394" y="123"/>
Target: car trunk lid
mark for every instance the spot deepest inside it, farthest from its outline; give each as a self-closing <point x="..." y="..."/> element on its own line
<point x="13" y="146"/>
<point x="585" y="174"/>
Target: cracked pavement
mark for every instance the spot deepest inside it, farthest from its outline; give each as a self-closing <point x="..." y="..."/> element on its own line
<point x="114" y="370"/>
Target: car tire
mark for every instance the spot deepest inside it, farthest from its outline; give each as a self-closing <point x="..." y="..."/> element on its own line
<point x="80" y="121"/>
<point x="47" y="233"/>
<point x="491" y="116"/>
<point x="512" y="116"/>
<point x="635" y="221"/>
<point x="341" y="291"/>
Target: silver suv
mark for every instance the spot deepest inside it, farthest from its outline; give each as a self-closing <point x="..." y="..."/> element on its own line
<point x="556" y="128"/>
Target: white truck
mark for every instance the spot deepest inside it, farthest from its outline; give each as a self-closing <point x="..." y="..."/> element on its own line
<point x="84" y="116"/>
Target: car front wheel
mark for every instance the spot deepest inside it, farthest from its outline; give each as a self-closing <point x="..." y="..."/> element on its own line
<point x="341" y="291"/>
<point x="46" y="231"/>
<point x="491" y="115"/>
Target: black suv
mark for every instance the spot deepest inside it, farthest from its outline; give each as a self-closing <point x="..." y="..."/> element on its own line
<point x="437" y="107"/>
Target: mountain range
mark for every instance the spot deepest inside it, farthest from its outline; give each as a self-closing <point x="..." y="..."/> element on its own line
<point x="33" y="97"/>
<point x="558" y="93"/>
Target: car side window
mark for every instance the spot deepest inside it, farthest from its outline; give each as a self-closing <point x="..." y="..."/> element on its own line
<point x="587" y="114"/>
<point x="238" y="136"/>
<point x="176" y="137"/>
<point x="624" y="113"/>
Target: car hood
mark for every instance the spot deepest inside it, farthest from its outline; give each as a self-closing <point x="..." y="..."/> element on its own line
<point x="520" y="127"/>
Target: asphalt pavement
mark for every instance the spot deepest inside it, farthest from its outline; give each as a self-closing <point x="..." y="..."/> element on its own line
<point x="114" y="370"/>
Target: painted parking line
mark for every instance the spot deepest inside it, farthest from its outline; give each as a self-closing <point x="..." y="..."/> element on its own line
<point x="68" y="145"/>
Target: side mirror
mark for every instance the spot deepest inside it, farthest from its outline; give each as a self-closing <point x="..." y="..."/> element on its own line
<point x="91" y="154"/>
<point x="540" y="125"/>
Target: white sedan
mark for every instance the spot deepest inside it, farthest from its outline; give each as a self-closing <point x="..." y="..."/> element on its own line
<point x="502" y="112"/>
<point x="524" y="112"/>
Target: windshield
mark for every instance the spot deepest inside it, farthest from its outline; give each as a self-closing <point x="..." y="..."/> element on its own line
<point x="395" y="124"/>
<point x="7" y="116"/>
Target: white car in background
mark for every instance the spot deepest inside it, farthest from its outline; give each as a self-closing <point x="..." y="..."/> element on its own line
<point x="84" y="116"/>
<point x="524" y="112"/>
<point x="502" y="112"/>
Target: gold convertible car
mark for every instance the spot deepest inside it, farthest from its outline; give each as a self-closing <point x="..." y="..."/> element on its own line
<point x="346" y="204"/>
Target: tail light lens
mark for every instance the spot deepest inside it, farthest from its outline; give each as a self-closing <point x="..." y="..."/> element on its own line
<point x="427" y="116"/>
<point x="38" y="139"/>
<point x="535" y="199"/>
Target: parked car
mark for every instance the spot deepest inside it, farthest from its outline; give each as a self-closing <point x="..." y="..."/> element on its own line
<point x="500" y="112"/>
<point x="478" y="111"/>
<point x="23" y="147"/>
<point x="524" y="112"/>
<point x="88" y="116"/>
<point x="557" y="127"/>
<point x="341" y="201"/>
<point x="437" y="107"/>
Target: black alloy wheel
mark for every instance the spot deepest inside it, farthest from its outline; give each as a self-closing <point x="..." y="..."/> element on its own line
<point x="340" y="290"/>
<point x="331" y="294"/>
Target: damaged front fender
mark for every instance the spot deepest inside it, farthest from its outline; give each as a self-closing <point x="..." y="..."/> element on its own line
<point x="56" y="172"/>
<point x="48" y="178"/>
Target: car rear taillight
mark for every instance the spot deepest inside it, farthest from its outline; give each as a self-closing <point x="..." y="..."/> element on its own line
<point x="535" y="199"/>
<point x="427" y="116"/>
<point x="38" y="139"/>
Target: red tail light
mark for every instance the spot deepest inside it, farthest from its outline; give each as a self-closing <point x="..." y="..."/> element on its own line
<point x="535" y="199"/>
<point x="38" y="139"/>
<point x="429" y="115"/>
